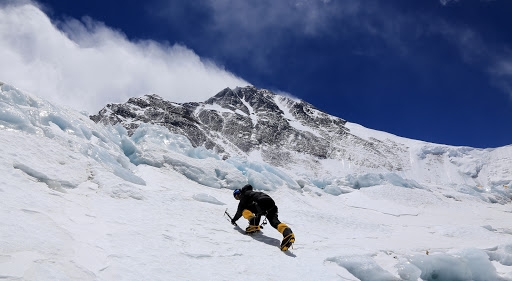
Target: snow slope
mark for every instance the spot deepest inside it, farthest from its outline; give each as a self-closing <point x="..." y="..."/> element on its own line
<point x="81" y="201"/>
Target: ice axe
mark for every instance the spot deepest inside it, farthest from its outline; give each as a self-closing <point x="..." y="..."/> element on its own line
<point x="229" y="216"/>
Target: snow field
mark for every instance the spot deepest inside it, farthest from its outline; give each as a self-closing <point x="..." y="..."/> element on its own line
<point x="84" y="234"/>
<point x="85" y="202"/>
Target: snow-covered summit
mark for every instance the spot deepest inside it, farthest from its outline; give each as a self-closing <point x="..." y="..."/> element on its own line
<point x="319" y="149"/>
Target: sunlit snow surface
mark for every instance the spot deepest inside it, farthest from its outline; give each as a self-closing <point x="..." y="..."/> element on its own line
<point x="80" y="201"/>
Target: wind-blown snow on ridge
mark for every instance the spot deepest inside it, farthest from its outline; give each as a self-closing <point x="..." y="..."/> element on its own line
<point x="83" y="201"/>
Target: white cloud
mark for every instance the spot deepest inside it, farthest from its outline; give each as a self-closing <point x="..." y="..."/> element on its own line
<point x="86" y="64"/>
<point x="501" y="72"/>
<point x="445" y="2"/>
<point x="504" y="68"/>
<point x="495" y="59"/>
<point x="251" y="30"/>
<point x="308" y="17"/>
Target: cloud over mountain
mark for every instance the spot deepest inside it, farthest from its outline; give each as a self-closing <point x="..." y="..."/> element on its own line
<point x="85" y="64"/>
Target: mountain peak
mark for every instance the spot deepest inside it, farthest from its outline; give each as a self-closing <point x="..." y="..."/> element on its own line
<point x="250" y="121"/>
<point x="293" y="135"/>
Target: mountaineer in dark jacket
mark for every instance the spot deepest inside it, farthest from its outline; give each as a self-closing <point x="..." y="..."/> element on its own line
<point x="253" y="205"/>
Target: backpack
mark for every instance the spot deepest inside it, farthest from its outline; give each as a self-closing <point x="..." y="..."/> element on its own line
<point x="246" y="188"/>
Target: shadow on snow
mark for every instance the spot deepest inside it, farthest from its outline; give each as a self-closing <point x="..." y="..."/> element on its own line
<point x="265" y="239"/>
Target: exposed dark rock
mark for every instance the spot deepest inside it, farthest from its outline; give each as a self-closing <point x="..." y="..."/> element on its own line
<point x="242" y="120"/>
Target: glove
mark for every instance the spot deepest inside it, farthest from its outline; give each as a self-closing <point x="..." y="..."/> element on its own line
<point x="233" y="222"/>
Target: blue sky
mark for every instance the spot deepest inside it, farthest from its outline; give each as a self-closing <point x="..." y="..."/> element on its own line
<point x="438" y="71"/>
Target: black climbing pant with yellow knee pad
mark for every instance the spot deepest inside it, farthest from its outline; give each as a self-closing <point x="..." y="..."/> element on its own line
<point x="253" y="216"/>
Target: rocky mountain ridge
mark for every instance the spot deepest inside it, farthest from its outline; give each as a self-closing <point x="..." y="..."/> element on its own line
<point x="318" y="149"/>
<point x="245" y="120"/>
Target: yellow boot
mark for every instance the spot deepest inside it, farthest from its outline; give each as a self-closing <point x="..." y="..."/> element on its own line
<point x="288" y="236"/>
<point x="252" y="229"/>
<point x="253" y="222"/>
